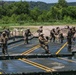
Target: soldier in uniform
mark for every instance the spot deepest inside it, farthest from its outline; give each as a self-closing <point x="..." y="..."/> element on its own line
<point x="44" y="43"/>
<point x="7" y="32"/>
<point x="14" y="32"/>
<point x="26" y="35"/>
<point x="68" y="27"/>
<point x="61" y="37"/>
<point x="4" y="40"/>
<point x="40" y="30"/>
<point x="52" y="35"/>
<point x="73" y="33"/>
<point x="69" y="39"/>
<point x="57" y="30"/>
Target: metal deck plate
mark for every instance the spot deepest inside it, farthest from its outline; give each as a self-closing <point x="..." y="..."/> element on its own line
<point x="37" y="64"/>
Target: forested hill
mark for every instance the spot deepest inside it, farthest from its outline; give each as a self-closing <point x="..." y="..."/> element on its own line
<point x="15" y="12"/>
<point x="40" y="5"/>
<point x="45" y="6"/>
<point x="72" y="4"/>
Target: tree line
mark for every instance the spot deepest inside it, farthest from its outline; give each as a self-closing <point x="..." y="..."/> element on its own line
<point x="20" y="12"/>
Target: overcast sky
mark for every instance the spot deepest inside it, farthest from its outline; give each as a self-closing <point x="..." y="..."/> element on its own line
<point x="47" y="1"/>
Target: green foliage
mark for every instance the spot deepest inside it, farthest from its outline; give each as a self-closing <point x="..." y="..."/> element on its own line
<point x="22" y="7"/>
<point x="5" y="19"/>
<point x="67" y="19"/>
<point x="4" y="27"/>
<point x="35" y="13"/>
<point x="21" y="13"/>
<point x="40" y="5"/>
<point x="62" y="3"/>
<point x="43" y="17"/>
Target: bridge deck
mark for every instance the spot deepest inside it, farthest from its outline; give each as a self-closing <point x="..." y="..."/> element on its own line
<point x="37" y="64"/>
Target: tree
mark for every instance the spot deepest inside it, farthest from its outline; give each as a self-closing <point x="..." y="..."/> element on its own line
<point x="35" y="13"/>
<point x="71" y="11"/>
<point x="57" y="10"/>
<point x="62" y="3"/>
<point x="43" y="16"/>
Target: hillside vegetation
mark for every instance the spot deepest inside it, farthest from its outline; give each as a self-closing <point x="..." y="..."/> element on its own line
<point x="25" y="13"/>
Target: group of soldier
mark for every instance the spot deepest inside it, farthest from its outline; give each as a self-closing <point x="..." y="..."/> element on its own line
<point x="5" y="35"/>
<point x="56" y="35"/>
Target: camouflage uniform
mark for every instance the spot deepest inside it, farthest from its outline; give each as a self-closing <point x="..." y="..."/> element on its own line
<point x="52" y="35"/>
<point x="4" y="40"/>
<point x="44" y="43"/>
<point x="26" y="35"/>
<point x="61" y="37"/>
<point x="73" y="33"/>
<point x="7" y="31"/>
<point x="40" y="30"/>
<point x="69" y="39"/>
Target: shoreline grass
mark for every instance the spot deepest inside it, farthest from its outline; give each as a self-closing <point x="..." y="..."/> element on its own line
<point x="39" y="24"/>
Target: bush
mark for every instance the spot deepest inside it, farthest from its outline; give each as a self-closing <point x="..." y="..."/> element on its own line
<point x="67" y="19"/>
<point x="5" y="27"/>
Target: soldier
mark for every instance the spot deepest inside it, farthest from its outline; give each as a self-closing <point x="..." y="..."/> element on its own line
<point x="26" y="35"/>
<point x="52" y="35"/>
<point x="14" y="32"/>
<point x="44" y="43"/>
<point x="57" y="30"/>
<point x="61" y="37"/>
<point x="40" y="30"/>
<point x="69" y="39"/>
<point x="68" y="27"/>
<point x="4" y="40"/>
<point x="73" y="33"/>
<point x="7" y="32"/>
<point x="57" y="38"/>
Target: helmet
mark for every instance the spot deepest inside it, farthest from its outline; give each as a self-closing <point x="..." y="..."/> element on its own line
<point x="41" y="26"/>
<point x="4" y="33"/>
<point x="28" y="28"/>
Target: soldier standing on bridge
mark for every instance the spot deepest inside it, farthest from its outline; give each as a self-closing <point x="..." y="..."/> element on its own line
<point x="7" y="31"/>
<point x="26" y="35"/>
<point x="44" y="43"/>
<point x="73" y="33"/>
<point x="52" y="35"/>
<point x="4" y="44"/>
<point x="69" y="39"/>
<point x="61" y="37"/>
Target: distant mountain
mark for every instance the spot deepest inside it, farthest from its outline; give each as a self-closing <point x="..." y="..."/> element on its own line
<point x="72" y="4"/>
<point x="45" y="6"/>
<point x="40" y="5"/>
